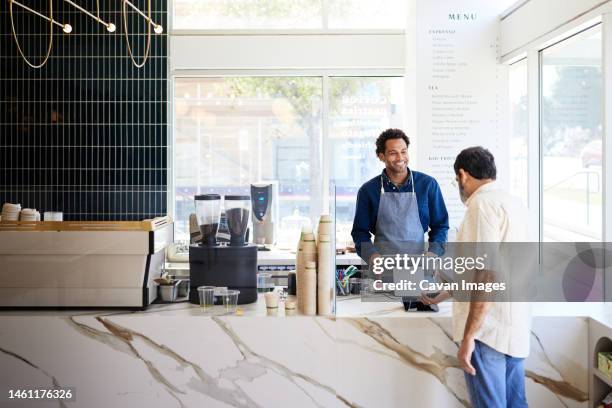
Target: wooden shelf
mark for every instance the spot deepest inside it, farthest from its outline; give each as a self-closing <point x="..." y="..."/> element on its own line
<point x="145" y="225"/>
<point x="600" y="340"/>
<point x="602" y="376"/>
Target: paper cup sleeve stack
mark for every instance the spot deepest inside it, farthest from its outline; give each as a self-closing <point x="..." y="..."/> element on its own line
<point x="325" y="266"/>
<point x="314" y="269"/>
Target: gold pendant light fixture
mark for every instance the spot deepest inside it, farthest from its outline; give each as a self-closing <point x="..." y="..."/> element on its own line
<point x="110" y="27"/>
<point x="156" y="27"/>
<point x="67" y="28"/>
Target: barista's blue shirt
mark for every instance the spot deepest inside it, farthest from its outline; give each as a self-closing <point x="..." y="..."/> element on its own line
<point x="432" y="210"/>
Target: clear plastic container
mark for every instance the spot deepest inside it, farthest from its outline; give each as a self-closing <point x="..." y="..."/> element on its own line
<point x="238" y="212"/>
<point x="208" y="214"/>
<point x="230" y="300"/>
<point x="207" y="296"/>
<point x="168" y="293"/>
<point x="264" y="282"/>
<point x="354" y="286"/>
<point x="367" y="286"/>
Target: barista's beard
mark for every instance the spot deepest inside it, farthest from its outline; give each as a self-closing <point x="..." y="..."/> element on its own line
<point x="397" y="168"/>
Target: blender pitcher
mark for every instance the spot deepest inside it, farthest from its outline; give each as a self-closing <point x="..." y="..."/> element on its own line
<point x="238" y="211"/>
<point x="208" y="214"/>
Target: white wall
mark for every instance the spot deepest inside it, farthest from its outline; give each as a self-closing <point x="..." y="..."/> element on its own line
<point x="539" y="21"/>
<point x="301" y="51"/>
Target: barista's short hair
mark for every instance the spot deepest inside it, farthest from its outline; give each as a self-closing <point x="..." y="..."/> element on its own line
<point x="388" y="135"/>
<point x="477" y="161"/>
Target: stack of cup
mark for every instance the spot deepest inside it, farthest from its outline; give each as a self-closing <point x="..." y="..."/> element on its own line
<point x="299" y="261"/>
<point x="325" y="225"/>
<point x="309" y="289"/>
<point x="10" y="212"/>
<point x="324" y="276"/>
<point x="29" y="214"/>
<point x="309" y="255"/>
<point x="325" y="281"/>
<point x="309" y="248"/>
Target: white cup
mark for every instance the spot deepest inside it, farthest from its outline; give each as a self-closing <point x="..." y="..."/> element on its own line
<point x="271" y="300"/>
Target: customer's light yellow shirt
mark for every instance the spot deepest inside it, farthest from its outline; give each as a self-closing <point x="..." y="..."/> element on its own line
<point x="492" y="215"/>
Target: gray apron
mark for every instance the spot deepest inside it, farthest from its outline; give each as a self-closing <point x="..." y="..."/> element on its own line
<point x="398" y="226"/>
<point x="398" y="219"/>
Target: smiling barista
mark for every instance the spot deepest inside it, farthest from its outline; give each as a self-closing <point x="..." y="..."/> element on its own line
<point x="398" y="206"/>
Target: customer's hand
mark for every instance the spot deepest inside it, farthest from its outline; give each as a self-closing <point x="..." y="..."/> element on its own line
<point x="439" y="298"/>
<point x="465" y="355"/>
<point x="373" y="257"/>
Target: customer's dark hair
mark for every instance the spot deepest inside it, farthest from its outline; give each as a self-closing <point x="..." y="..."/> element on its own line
<point x="387" y="135"/>
<point x="477" y="161"/>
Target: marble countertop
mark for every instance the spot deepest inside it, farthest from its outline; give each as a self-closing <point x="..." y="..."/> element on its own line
<point x="346" y="306"/>
<point x="180" y="308"/>
<point x="354" y="306"/>
<point x="163" y="357"/>
<point x="178" y="355"/>
<point x="382" y="305"/>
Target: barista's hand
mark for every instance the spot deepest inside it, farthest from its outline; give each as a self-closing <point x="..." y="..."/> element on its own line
<point x="440" y="297"/>
<point x="373" y="257"/>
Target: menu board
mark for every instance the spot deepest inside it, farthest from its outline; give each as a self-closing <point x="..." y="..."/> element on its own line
<point x="461" y="90"/>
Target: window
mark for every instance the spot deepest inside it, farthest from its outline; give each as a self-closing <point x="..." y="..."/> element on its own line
<point x="517" y="87"/>
<point x="571" y="132"/>
<point x="233" y="131"/>
<point x="360" y="109"/>
<point x="288" y="14"/>
<point x="249" y="14"/>
<point x="367" y="14"/>
<point x="236" y="131"/>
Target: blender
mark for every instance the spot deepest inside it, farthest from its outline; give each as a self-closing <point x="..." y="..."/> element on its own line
<point x="208" y="214"/>
<point x="237" y="211"/>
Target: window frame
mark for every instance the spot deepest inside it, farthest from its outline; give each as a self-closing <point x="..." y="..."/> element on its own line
<point x="322" y="202"/>
<point x="525" y="60"/>
<point x="533" y="52"/>
<point x="605" y="136"/>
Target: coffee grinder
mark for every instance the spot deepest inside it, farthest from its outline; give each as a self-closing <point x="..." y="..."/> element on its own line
<point x="265" y="212"/>
<point x="232" y="265"/>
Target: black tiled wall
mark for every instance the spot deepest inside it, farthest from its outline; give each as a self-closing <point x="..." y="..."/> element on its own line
<point x="87" y="133"/>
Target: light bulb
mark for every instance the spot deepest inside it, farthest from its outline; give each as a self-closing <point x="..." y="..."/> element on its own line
<point x="67" y="28"/>
<point x="111" y="28"/>
<point x="158" y="29"/>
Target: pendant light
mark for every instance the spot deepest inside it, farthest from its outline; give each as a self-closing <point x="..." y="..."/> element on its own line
<point x="110" y="27"/>
<point x="156" y="27"/>
<point x="67" y="28"/>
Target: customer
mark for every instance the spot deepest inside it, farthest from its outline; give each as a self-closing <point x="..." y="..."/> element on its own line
<point x="494" y="336"/>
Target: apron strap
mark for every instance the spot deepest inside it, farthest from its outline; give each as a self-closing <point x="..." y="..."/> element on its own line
<point x="382" y="190"/>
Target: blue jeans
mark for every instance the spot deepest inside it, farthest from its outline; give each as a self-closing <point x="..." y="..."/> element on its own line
<point x="499" y="381"/>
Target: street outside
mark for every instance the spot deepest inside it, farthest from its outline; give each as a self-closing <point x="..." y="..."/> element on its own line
<point x="569" y="215"/>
